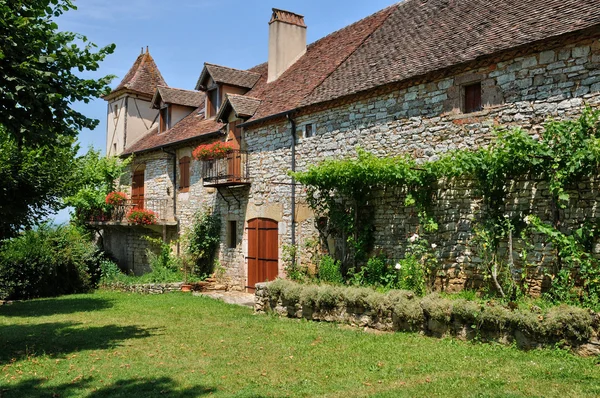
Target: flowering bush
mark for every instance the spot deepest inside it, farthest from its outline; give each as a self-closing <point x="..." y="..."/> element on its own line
<point x="141" y="216"/>
<point x="116" y="198"/>
<point x="216" y="150"/>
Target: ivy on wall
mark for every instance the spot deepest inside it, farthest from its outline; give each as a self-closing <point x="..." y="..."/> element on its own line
<point x="564" y="153"/>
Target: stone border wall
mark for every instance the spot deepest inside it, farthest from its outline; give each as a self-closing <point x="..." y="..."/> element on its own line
<point x="432" y="316"/>
<point x="145" y="288"/>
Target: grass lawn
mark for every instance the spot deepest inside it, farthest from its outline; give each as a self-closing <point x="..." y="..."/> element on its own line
<point x="111" y="344"/>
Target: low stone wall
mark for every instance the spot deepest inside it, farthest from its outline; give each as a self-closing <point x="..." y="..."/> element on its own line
<point x="569" y="327"/>
<point x="208" y="285"/>
<point x="145" y="288"/>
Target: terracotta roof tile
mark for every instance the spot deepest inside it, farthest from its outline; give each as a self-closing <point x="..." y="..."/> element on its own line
<point x="423" y="36"/>
<point x="287" y="17"/>
<point x="179" y="96"/>
<point x="234" y="77"/>
<point x="143" y="77"/>
<point x="192" y="126"/>
<point x="243" y="105"/>
<point x="321" y="59"/>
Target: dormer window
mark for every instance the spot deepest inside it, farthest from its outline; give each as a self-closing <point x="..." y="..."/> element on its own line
<point x="212" y="102"/>
<point x="165" y="119"/>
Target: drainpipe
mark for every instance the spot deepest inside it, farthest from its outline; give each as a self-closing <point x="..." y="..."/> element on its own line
<point x="293" y="123"/>
<point x="174" y="155"/>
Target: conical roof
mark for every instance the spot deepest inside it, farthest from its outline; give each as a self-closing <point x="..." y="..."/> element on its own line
<point x="143" y="77"/>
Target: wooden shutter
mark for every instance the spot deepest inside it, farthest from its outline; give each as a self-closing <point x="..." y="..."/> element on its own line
<point x="137" y="189"/>
<point x="184" y="174"/>
<point x="473" y="98"/>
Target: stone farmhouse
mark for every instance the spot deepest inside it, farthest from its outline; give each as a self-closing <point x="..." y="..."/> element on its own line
<point x="419" y="77"/>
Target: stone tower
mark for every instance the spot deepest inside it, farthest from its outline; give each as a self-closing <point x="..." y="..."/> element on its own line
<point x="129" y="115"/>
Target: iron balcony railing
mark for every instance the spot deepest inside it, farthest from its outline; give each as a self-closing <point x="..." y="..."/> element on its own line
<point x="227" y="171"/>
<point x="162" y="208"/>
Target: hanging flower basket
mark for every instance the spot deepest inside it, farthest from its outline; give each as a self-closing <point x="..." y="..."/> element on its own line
<point x="141" y="217"/>
<point x="216" y="150"/>
<point x="116" y="198"/>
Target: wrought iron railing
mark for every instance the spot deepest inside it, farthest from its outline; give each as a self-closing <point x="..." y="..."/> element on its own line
<point x="162" y="208"/>
<point x="229" y="170"/>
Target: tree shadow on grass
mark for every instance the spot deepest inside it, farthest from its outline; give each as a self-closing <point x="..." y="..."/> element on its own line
<point x="142" y="387"/>
<point x="61" y="338"/>
<point x="54" y="306"/>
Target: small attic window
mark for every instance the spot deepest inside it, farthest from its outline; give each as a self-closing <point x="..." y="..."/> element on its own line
<point x="165" y="119"/>
<point x="212" y="102"/>
<point x="309" y="130"/>
<point x="116" y="109"/>
<point x="472" y="96"/>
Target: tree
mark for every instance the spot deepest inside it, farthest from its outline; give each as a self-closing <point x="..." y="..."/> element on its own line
<point x="93" y="178"/>
<point x="38" y="126"/>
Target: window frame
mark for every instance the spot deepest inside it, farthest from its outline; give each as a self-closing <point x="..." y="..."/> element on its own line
<point x="313" y="127"/>
<point x="472" y="100"/>
<point x="232" y="238"/>
<point x="184" y="174"/>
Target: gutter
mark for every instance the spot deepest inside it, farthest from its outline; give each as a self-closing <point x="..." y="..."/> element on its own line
<point x="174" y="155"/>
<point x="161" y="147"/>
<point x="293" y="123"/>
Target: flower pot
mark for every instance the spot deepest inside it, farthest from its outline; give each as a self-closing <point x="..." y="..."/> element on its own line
<point x="186" y="287"/>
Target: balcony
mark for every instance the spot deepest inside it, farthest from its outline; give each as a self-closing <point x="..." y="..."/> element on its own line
<point x="162" y="208"/>
<point x="232" y="170"/>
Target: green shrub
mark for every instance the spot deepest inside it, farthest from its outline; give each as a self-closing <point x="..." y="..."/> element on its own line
<point x="109" y="272"/>
<point x="48" y="261"/>
<point x="202" y="241"/>
<point x="329" y="270"/>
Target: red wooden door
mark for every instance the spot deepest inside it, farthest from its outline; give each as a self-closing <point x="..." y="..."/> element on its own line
<point x="263" y="251"/>
<point x="137" y="189"/>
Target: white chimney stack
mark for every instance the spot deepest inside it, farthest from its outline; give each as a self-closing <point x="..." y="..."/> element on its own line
<point x="287" y="41"/>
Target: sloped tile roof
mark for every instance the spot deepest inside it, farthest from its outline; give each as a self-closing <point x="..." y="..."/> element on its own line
<point x="403" y="41"/>
<point x="192" y="126"/>
<point x="225" y="75"/>
<point x="423" y="36"/>
<point x="321" y="59"/>
<point x="243" y="105"/>
<point x="179" y="96"/>
<point x="143" y="77"/>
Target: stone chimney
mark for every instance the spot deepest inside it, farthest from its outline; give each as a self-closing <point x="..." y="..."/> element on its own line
<point x="287" y="41"/>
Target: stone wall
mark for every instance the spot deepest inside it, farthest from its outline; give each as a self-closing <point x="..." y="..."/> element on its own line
<point x="126" y="243"/>
<point x="425" y="120"/>
<point x="575" y="328"/>
<point x="146" y="288"/>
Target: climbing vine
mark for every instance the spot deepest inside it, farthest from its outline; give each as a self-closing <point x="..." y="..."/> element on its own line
<point x="564" y="153"/>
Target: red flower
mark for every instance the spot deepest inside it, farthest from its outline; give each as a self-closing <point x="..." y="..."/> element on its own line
<point x="216" y="150"/>
<point x="141" y="217"/>
<point x="116" y="198"/>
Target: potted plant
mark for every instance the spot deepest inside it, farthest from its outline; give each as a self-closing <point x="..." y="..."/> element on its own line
<point x="185" y="263"/>
<point x="141" y="217"/>
<point x="115" y="203"/>
<point x="216" y="150"/>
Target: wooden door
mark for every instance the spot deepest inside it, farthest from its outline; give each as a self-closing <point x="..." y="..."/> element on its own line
<point x="234" y="159"/>
<point x="137" y="189"/>
<point x="263" y="251"/>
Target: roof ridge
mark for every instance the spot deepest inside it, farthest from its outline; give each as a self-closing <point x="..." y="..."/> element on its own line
<point x="391" y="11"/>
<point x="177" y="88"/>
<point x="229" y="67"/>
<point x="243" y="96"/>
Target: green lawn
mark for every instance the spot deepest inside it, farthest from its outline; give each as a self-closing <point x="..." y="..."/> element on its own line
<point x="114" y="344"/>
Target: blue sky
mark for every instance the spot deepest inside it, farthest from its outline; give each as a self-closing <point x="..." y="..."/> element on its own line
<point x="183" y="34"/>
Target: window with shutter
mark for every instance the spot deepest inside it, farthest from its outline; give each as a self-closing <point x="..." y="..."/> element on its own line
<point x="184" y="174"/>
<point x="473" y="98"/>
